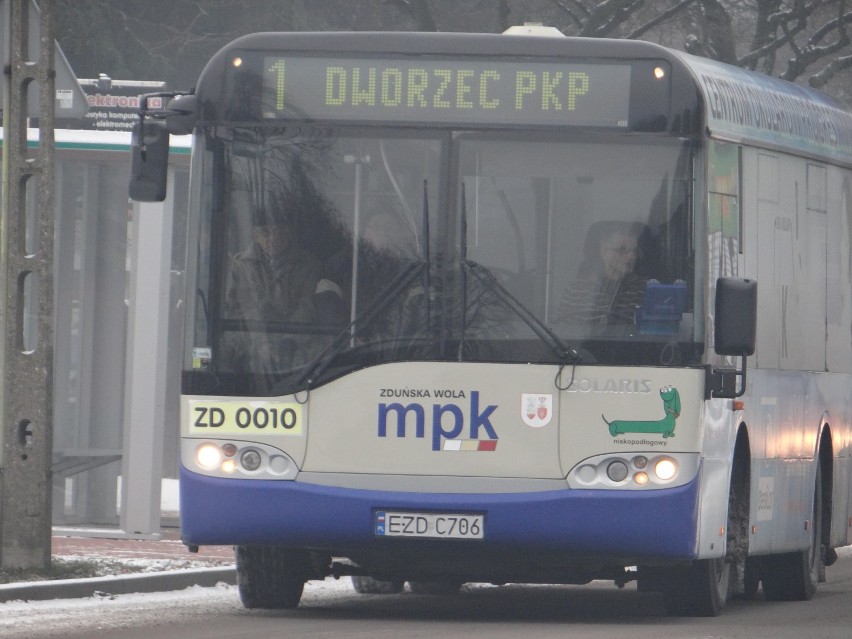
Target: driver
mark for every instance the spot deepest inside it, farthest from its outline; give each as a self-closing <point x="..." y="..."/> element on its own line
<point x="606" y="289"/>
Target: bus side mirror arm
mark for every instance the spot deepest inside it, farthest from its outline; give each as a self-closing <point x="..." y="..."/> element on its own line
<point x="722" y="382"/>
<point x="735" y="334"/>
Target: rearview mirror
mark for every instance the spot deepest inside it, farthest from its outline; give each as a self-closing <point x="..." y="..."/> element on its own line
<point x="149" y="161"/>
<point x="736" y="316"/>
<point x="735" y="333"/>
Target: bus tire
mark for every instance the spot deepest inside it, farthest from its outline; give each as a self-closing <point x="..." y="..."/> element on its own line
<point x="794" y="576"/>
<point x="703" y="588"/>
<point x="270" y="577"/>
<point x="434" y="587"/>
<point x="365" y="585"/>
<point x="699" y="590"/>
<point x="751" y="581"/>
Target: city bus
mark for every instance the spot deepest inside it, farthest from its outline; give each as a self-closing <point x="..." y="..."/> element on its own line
<point x="407" y="362"/>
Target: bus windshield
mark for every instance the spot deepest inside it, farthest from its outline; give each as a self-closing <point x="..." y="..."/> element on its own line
<point x="341" y="248"/>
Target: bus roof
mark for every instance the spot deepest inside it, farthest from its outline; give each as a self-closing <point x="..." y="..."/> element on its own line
<point x="746" y="106"/>
<point x="735" y="104"/>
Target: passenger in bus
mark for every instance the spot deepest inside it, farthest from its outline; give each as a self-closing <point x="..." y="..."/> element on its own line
<point x="276" y="288"/>
<point x="606" y="289"/>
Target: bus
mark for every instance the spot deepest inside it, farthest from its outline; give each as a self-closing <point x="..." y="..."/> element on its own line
<point x="406" y="360"/>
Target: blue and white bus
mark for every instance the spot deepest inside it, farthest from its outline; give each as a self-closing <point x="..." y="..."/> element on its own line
<point x="422" y="406"/>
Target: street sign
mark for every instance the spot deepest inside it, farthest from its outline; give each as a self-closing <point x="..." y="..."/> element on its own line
<point x="113" y="104"/>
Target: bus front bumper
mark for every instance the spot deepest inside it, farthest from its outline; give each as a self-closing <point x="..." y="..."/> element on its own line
<point x="659" y="524"/>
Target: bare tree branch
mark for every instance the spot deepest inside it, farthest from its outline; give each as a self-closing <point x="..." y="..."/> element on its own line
<point x="823" y="77"/>
<point x="809" y="54"/>
<point x="661" y="18"/>
<point x="808" y="41"/>
<point x="576" y="12"/>
<point x="607" y="16"/>
<point x="838" y="23"/>
<point x="420" y="12"/>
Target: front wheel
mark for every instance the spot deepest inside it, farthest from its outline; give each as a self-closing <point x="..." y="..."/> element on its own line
<point x="700" y="590"/>
<point x="270" y="577"/>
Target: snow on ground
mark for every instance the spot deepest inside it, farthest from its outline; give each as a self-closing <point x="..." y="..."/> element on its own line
<point x="126" y="565"/>
<point x="56" y="617"/>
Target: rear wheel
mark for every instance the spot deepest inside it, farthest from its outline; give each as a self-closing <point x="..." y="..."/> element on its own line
<point x="794" y="576"/>
<point x="751" y="581"/>
<point x="270" y="577"/>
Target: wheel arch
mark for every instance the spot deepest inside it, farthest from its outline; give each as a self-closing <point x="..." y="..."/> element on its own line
<point x="739" y="501"/>
<point x="824" y="454"/>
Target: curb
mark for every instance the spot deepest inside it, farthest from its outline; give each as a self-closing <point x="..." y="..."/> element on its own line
<point x="116" y="584"/>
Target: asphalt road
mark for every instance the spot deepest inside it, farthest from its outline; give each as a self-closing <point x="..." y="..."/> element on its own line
<point x="333" y="609"/>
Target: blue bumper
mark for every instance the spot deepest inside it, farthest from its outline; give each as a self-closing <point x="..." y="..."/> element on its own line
<point x="627" y="524"/>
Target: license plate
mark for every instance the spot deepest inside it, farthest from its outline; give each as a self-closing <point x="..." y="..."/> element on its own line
<point x="430" y="525"/>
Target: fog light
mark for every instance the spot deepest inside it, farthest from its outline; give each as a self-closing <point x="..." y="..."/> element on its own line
<point x="665" y="469"/>
<point x="250" y="460"/>
<point x="208" y="456"/>
<point x="617" y="471"/>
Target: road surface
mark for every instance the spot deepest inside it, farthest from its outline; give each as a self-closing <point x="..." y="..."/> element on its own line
<point x="332" y="609"/>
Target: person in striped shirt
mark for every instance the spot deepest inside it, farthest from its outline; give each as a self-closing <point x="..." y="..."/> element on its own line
<point x="606" y="290"/>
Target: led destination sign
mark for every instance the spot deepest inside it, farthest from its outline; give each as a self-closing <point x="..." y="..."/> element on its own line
<point x="446" y="91"/>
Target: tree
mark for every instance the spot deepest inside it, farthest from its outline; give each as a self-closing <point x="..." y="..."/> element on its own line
<point x="803" y="41"/>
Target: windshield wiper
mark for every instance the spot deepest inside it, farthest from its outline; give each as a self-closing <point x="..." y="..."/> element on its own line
<point x="385" y="298"/>
<point x="565" y="353"/>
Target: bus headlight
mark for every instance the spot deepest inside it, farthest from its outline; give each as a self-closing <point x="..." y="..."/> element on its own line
<point x="665" y="468"/>
<point x="208" y="456"/>
<point x="634" y="471"/>
<point x="245" y="460"/>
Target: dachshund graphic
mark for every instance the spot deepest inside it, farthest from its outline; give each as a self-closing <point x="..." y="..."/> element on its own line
<point x="664" y="426"/>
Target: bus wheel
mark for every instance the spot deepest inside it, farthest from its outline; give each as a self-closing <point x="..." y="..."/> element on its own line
<point x="368" y="586"/>
<point x="794" y="576"/>
<point x="434" y="587"/>
<point x="751" y="580"/>
<point x="700" y="590"/>
<point x="270" y="577"/>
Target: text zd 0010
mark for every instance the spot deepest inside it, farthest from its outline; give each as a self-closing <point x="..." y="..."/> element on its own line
<point x="209" y="418"/>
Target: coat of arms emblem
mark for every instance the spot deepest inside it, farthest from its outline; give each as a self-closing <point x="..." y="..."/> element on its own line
<point x="536" y="410"/>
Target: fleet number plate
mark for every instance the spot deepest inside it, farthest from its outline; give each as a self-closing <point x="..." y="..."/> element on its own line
<point x="432" y="525"/>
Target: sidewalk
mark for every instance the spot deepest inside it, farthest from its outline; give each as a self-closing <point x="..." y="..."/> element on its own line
<point x="166" y="564"/>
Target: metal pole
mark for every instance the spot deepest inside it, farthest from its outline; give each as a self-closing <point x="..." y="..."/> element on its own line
<point x="26" y="279"/>
<point x="145" y="377"/>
